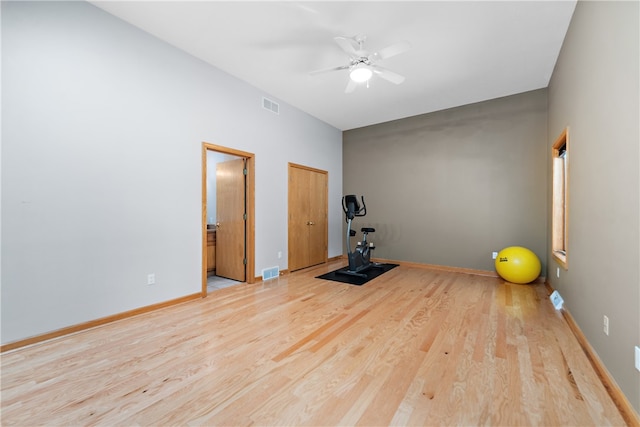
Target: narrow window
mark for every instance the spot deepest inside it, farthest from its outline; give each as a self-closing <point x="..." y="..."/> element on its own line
<point x="559" y="217"/>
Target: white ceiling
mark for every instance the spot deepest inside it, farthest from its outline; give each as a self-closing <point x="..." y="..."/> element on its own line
<point x="462" y="52"/>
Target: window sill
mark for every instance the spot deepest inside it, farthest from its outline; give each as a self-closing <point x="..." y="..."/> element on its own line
<point x="561" y="258"/>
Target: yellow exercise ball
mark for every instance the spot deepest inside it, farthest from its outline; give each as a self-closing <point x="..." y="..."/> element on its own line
<point x="516" y="264"/>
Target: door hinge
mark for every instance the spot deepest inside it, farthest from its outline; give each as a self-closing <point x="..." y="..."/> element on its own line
<point x="244" y="171"/>
<point x="244" y="216"/>
<point x="244" y="261"/>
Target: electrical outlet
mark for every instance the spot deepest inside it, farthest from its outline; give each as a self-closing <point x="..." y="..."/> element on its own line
<point x="558" y="272"/>
<point x="279" y="254"/>
<point x="494" y="255"/>
<point x="151" y="279"/>
<point x="638" y="358"/>
<point x="605" y="325"/>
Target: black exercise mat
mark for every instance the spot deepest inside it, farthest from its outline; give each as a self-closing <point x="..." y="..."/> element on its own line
<point x="372" y="273"/>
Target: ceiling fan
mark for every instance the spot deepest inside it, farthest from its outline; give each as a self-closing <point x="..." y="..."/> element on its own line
<point x="362" y="64"/>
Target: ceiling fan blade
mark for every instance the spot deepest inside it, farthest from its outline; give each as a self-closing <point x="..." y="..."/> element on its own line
<point x="347" y="45"/>
<point x="351" y="86"/>
<point x="393" y="50"/>
<point x="326" y="70"/>
<point x="387" y="74"/>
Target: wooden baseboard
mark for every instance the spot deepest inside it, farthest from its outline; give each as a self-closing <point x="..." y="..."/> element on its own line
<point x="259" y="278"/>
<point x="486" y="273"/>
<point x="443" y="268"/>
<point x="94" y="323"/>
<point x="622" y="403"/>
<point x="285" y="272"/>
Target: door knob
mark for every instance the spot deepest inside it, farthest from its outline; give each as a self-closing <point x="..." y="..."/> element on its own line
<point x="217" y="225"/>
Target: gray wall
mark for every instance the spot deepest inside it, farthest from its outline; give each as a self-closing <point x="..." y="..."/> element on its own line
<point x="450" y="187"/>
<point x="102" y="137"/>
<point x="595" y="92"/>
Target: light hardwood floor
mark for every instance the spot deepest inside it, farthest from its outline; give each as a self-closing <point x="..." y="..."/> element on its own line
<point x="412" y="347"/>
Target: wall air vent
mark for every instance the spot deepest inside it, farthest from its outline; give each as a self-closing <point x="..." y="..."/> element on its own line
<point x="270" y="105"/>
<point x="270" y="273"/>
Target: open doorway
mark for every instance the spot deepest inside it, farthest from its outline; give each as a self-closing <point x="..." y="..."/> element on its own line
<point x="228" y="237"/>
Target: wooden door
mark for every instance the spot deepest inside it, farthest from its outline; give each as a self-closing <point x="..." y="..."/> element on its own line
<point x="308" y="227"/>
<point x="230" y="215"/>
<point x="318" y="228"/>
<point x="298" y="218"/>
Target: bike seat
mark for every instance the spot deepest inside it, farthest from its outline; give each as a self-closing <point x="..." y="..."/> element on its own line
<point x="367" y="230"/>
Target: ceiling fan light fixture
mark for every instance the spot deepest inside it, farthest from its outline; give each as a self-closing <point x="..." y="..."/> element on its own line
<point x="360" y="73"/>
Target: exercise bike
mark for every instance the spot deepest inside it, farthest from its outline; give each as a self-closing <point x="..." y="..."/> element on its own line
<point x="360" y="258"/>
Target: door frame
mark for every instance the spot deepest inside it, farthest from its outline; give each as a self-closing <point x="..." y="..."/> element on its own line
<point x="250" y="206"/>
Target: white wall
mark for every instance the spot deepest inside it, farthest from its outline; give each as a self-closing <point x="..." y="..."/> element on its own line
<point x="101" y="165"/>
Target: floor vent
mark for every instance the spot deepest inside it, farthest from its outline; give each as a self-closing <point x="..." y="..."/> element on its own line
<point x="270" y="273"/>
<point x="556" y="300"/>
<point x="270" y="105"/>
